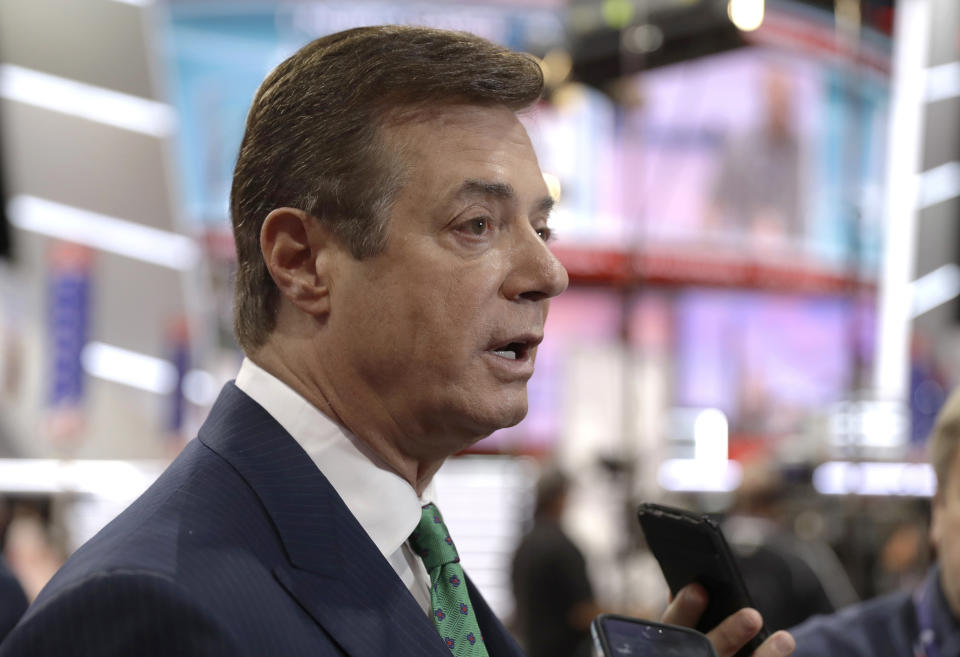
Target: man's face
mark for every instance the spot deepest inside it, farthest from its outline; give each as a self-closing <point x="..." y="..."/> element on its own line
<point x="945" y="534"/>
<point x="437" y="334"/>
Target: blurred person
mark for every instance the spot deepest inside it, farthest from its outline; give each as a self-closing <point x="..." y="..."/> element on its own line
<point x="782" y="573"/>
<point x="758" y="190"/>
<point x="905" y="555"/>
<point x="393" y="280"/>
<point x="31" y="552"/>
<point x="924" y="621"/>
<point x="551" y="586"/>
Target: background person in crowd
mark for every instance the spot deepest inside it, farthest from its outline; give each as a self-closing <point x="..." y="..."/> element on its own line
<point x="551" y="585"/>
<point x="924" y="621"/>
<point x="789" y="579"/>
<point x="393" y="281"/>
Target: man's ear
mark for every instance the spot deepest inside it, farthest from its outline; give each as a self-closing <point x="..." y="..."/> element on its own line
<point x="294" y="246"/>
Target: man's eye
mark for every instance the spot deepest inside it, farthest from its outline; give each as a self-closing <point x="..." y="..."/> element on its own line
<point x="478" y="227"/>
<point x="545" y="233"/>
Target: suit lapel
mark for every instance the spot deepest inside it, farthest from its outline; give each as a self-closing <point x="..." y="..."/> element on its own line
<point x="498" y="640"/>
<point x="334" y="570"/>
<point x="365" y="621"/>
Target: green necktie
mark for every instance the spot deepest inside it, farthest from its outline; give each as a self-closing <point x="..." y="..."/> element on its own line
<point x="452" y="612"/>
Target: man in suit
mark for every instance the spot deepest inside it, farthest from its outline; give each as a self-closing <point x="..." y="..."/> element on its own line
<point x="924" y="621"/>
<point x="13" y="600"/>
<point x="393" y="281"/>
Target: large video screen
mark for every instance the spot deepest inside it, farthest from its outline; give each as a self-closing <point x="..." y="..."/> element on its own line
<point x="767" y="360"/>
<point x="764" y="153"/>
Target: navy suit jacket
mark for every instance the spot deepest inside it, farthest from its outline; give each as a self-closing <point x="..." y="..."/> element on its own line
<point x="241" y="547"/>
<point x="13" y="601"/>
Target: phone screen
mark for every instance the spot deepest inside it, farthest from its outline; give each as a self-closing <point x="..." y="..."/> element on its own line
<point x="625" y="637"/>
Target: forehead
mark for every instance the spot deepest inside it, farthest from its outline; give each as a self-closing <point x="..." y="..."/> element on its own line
<point x="464" y="141"/>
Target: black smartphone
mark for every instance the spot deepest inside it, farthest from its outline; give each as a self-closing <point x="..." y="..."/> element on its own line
<point x="621" y="636"/>
<point x="690" y="547"/>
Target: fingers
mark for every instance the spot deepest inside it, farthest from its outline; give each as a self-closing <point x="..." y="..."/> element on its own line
<point x="778" y="644"/>
<point x="730" y="635"/>
<point x="687" y="607"/>
<point x="734" y="631"/>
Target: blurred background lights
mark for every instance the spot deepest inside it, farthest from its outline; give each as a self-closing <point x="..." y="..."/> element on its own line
<point x="710" y="436"/>
<point x="556" y="66"/>
<point x="699" y="475"/>
<point x="618" y="13"/>
<point x="200" y="387"/>
<point x="935" y="289"/>
<point x="570" y="96"/>
<point x="873" y="478"/>
<point x="848" y="13"/>
<point x="103" y="232"/>
<point x="87" y="101"/>
<point x="130" y="368"/>
<point x="641" y="39"/>
<point x="553" y="186"/>
<point x="747" y="15"/>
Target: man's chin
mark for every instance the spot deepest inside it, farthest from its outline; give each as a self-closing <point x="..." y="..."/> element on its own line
<point x="504" y="419"/>
<point x="499" y="415"/>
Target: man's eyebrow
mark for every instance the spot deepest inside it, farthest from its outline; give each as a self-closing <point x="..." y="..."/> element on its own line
<point x="500" y="191"/>
<point x="546" y="205"/>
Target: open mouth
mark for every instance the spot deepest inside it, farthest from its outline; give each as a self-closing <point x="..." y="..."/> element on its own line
<point x="513" y="350"/>
<point x="516" y="347"/>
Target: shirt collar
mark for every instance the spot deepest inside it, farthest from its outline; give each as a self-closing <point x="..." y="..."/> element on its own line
<point x="385" y="505"/>
<point x="946" y="628"/>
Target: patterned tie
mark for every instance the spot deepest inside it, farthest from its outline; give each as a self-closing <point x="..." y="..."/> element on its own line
<point x="452" y="612"/>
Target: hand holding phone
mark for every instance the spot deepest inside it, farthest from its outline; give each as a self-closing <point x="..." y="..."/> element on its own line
<point x="691" y="548"/>
<point x="622" y="636"/>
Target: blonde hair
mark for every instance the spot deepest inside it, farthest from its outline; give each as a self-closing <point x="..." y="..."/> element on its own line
<point x="943" y="440"/>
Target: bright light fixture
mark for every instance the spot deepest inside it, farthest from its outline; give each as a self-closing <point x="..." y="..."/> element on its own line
<point x="130" y="368"/>
<point x="700" y="475"/>
<point x="553" y="186"/>
<point x="875" y="478"/>
<point x="145" y="372"/>
<point x="200" y="387"/>
<point x="936" y="288"/>
<point x="746" y="15"/>
<point x="103" y="232"/>
<point x="943" y="81"/>
<point x="112" y="479"/>
<point x="710" y="436"/>
<point x="87" y="101"/>
<point x="939" y="184"/>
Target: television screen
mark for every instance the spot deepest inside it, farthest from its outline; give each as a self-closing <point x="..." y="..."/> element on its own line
<point x="767" y="360"/>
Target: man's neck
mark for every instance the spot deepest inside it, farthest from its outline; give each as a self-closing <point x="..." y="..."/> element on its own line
<point x="379" y="445"/>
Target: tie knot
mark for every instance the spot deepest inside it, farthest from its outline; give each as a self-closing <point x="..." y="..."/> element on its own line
<point x="431" y="540"/>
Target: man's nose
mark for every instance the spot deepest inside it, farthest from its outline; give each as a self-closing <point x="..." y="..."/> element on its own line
<point x="536" y="273"/>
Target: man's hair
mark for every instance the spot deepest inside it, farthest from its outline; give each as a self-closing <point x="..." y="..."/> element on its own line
<point x="943" y="440"/>
<point x="314" y="138"/>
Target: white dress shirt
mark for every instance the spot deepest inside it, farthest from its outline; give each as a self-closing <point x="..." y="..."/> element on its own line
<point x="385" y="505"/>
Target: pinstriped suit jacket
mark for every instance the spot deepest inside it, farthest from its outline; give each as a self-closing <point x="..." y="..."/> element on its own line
<point x="241" y="547"/>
